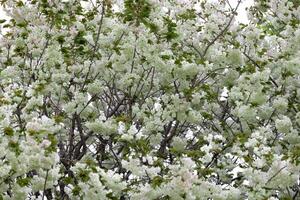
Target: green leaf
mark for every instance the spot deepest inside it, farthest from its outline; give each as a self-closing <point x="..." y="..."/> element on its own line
<point x="14" y="146"/>
<point x="58" y="118"/>
<point x="207" y="115"/>
<point x="83" y="175"/>
<point x="20" y="4"/>
<point x="67" y="180"/>
<point x="53" y="146"/>
<point x="171" y="28"/>
<point x="23" y="181"/>
<point x="136" y="11"/>
<point x="188" y="14"/>
<point x="61" y="39"/>
<point x="76" y="190"/>
<point x="8" y="131"/>
<point x="157" y="181"/>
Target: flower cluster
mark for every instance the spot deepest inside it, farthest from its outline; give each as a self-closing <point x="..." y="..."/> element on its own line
<point x="149" y="99"/>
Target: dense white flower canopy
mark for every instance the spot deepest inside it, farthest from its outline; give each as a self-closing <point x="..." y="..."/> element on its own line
<point x="150" y="99"/>
<point x="242" y="13"/>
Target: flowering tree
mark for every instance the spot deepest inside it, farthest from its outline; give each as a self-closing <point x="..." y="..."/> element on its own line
<point x="149" y="99"/>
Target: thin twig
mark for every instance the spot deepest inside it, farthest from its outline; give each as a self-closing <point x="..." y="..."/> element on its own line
<point x="45" y="183"/>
